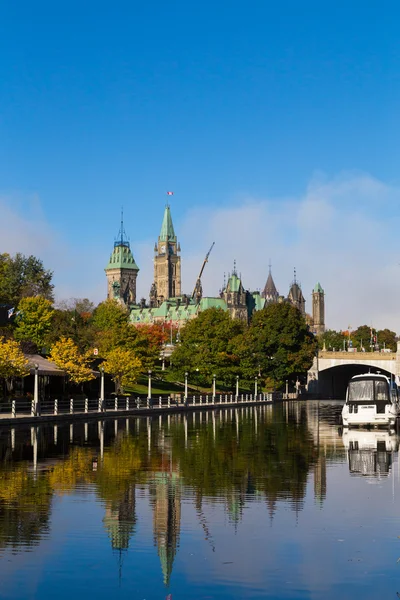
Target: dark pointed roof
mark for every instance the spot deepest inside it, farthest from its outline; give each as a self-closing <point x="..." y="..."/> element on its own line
<point x="270" y="290"/>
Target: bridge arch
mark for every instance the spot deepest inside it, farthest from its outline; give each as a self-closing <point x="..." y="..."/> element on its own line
<point x="332" y="382"/>
<point x="331" y="371"/>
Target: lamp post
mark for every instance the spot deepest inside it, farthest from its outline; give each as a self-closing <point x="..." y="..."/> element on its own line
<point x="287" y="388"/>
<point x="213" y="389"/>
<point x="237" y="387"/>
<point x="255" y="387"/>
<point x="149" y="386"/>
<point x="102" y="387"/>
<point x="36" y="390"/>
<point x="186" y="385"/>
<point x="197" y="379"/>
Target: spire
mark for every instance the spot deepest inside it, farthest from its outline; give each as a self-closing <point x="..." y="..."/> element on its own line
<point x="167" y="233"/>
<point x="122" y="239"/>
<point x="122" y="257"/>
<point x="234" y="267"/>
<point x="270" y="292"/>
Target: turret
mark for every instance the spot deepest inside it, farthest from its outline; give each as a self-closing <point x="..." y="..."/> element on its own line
<point x="122" y="271"/>
<point x="235" y="296"/>
<point x="296" y="297"/>
<point x="318" y="309"/>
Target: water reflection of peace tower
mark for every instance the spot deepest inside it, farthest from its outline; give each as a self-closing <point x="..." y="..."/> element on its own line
<point x="120" y="519"/>
<point x="166" y="500"/>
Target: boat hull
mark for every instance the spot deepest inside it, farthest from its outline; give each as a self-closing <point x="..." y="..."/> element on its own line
<point x="367" y="416"/>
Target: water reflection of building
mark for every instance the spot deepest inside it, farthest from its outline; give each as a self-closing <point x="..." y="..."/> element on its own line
<point x="120" y="519"/>
<point x="320" y="479"/>
<point x="166" y="499"/>
<point x="370" y="452"/>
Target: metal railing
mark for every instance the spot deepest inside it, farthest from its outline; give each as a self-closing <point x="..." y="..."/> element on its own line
<point x="24" y="407"/>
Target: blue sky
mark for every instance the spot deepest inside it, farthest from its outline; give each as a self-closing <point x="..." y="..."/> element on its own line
<point x="228" y="104"/>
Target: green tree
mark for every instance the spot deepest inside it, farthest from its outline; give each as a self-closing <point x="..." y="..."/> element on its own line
<point x="361" y="338"/>
<point x="109" y="314"/>
<point x="66" y="355"/>
<point x="113" y="330"/>
<point x="207" y="347"/>
<point x="331" y="340"/>
<point x="12" y="362"/>
<point x="23" y="276"/>
<point x="71" y="324"/>
<point x="34" y="320"/>
<point x="278" y="344"/>
<point x="124" y="367"/>
<point x="387" y="339"/>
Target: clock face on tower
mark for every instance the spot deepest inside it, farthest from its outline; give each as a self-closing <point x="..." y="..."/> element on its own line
<point x="163" y="249"/>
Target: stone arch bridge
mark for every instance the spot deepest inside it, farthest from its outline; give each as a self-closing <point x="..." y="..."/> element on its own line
<point x="331" y="371"/>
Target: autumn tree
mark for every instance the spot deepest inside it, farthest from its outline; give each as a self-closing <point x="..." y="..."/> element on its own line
<point x="12" y="362"/>
<point x="124" y="367"/>
<point x="34" y="320"/>
<point x="23" y="276"/>
<point x="66" y="355"/>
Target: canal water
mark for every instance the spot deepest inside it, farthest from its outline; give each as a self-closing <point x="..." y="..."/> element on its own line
<point x="268" y="502"/>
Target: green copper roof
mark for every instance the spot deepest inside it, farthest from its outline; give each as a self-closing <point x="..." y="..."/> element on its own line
<point x="170" y="311"/>
<point x="206" y="303"/>
<point x="167" y="233"/>
<point x="318" y="288"/>
<point x="122" y="258"/>
<point x="259" y="301"/>
<point x="234" y="283"/>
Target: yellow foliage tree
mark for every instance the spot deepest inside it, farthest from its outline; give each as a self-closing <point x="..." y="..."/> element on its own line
<point x="12" y="362"/>
<point x="66" y="355"/>
<point x="124" y="366"/>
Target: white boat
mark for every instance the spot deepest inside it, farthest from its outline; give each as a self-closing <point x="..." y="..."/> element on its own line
<point x="370" y="452"/>
<point x="371" y="401"/>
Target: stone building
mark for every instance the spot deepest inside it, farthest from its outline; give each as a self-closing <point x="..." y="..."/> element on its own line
<point x="167" y="263"/>
<point x="122" y="271"/>
<point x="167" y="304"/>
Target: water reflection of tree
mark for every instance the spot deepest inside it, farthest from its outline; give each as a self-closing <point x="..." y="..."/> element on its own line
<point x="274" y="462"/>
<point x="231" y="458"/>
<point x="25" y="503"/>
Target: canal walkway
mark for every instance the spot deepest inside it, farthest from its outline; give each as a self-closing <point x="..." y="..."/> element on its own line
<point x="27" y="412"/>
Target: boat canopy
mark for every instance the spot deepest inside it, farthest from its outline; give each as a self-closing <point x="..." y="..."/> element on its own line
<point x="368" y="390"/>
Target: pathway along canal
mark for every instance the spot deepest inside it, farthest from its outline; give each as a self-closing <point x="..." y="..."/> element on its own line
<point x="273" y="501"/>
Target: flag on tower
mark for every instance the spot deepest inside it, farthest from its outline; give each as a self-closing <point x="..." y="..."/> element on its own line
<point x="170" y="193"/>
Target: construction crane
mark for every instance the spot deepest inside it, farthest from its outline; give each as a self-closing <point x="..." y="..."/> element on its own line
<point x="202" y="269"/>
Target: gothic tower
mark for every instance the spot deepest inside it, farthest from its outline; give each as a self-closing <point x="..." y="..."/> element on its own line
<point x="270" y="293"/>
<point x="235" y="297"/>
<point x="318" y="309"/>
<point x="167" y="263"/>
<point x="296" y="297"/>
<point x="122" y="271"/>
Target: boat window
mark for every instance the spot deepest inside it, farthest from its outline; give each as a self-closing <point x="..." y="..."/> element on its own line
<point x="361" y="390"/>
<point x="381" y="390"/>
